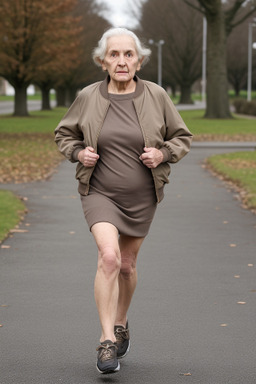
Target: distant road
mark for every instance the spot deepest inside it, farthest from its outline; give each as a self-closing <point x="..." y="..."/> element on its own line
<point x="7" y="107"/>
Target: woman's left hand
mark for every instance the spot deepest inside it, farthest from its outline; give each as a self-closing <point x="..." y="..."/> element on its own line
<point x="151" y="157"/>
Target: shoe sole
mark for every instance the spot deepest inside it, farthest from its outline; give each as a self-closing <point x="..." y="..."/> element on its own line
<point x="126" y="352"/>
<point x="114" y="370"/>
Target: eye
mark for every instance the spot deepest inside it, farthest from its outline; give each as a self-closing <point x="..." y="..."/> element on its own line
<point x="129" y="54"/>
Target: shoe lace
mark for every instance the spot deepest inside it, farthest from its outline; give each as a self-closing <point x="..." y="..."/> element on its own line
<point x="121" y="334"/>
<point x="106" y="351"/>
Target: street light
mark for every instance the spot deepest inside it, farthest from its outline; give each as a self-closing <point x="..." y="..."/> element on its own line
<point x="159" y="60"/>
<point x="250" y="48"/>
<point x="204" y="48"/>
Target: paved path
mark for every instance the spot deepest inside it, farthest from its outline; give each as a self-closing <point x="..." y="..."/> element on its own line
<point x="7" y="107"/>
<point x="186" y="323"/>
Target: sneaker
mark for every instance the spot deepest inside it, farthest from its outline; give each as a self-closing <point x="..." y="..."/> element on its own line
<point x="122" y="340"/>
<point x="107" y="357"/>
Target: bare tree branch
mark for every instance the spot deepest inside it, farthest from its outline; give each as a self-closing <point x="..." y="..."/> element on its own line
<point x="208" y="5"/>
<point x="231" y="13"/>
<point x="194" y="6"/>
<point x="243" y="18"/>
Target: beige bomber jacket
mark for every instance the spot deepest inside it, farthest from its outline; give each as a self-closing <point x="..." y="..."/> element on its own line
<point x="160" y="122"/>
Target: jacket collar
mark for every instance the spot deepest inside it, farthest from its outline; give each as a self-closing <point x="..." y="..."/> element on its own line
<point x="138" y="91"/>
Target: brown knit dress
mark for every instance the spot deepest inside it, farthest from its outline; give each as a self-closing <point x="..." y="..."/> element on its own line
<point x="121" y="187"/>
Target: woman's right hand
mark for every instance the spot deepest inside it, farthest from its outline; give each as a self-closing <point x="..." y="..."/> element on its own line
<point x="88" y="157"/>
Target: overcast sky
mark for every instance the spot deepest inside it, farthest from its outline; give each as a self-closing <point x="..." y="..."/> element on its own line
<point x="119" y="14"/>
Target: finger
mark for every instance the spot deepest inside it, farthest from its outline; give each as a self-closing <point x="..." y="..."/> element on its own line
<point x="91" y="149"/>
<point x="145" y="156"/>
<point x="148" y="149"/>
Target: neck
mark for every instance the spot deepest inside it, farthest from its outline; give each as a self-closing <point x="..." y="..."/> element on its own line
<point x="121" y="87"/>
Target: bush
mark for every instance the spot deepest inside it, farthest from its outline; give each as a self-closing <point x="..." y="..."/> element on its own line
<point x="245" y="107"/>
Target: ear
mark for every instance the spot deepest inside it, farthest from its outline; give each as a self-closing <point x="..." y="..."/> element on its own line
<point x="103" y="66"/>
<point x="139" y="64"/>
<point x="101" y="63"/>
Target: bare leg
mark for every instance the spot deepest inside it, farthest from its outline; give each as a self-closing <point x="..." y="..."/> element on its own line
<point x="106" y="280"/>
<point x="129" y="248"/>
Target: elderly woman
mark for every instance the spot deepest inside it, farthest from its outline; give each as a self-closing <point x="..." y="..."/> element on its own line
<point x="123" y="132"/>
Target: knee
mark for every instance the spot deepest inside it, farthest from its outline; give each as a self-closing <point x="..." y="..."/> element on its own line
<point x="109" y="261"/>
<point x="128" y="267"/>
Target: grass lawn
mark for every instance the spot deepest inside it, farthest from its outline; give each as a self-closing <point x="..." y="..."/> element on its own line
<point x="28" y="151"/>
<point x="27" y="148"/>
<point x="236" y="129"/>
<point x="240" y="169"/>
<point x="11" y="211"/>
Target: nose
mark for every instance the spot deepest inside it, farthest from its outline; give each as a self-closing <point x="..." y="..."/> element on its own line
<point x="121" y="60"/>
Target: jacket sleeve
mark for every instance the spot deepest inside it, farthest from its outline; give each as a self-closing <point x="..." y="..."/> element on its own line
<point x="178" y="138"/>
<point x="68" y="135"/>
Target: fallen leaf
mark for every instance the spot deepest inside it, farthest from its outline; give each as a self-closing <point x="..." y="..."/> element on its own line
<point x="223" y="325"/>
<point x="71" y="232"/>
<point x="18" y="230"/>
<point x="5" y="246"/>
<point x="186" y="374"/>
<point x="250" y="265"/>
<point x="237" y="276"/>
<point x="232" y="245"/>
<point x="241" y="302"/>
<point x="225" y="222"/>
<point x="1" y="325"/>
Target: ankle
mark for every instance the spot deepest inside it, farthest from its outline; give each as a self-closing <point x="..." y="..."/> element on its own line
<point x="122" y="322"/>
<point x="105" y="337"/>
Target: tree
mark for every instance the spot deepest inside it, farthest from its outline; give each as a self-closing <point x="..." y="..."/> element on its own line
<point x="222" y="17"/>
<point x="237" y="57"/>
<point x="181" y="29"/>
<point x="57" y="60"/>
<point x="84" y="71"/>
<point x="28" y="29"/>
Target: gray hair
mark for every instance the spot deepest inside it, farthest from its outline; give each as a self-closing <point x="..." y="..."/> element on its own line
<point x="99" y="52"/>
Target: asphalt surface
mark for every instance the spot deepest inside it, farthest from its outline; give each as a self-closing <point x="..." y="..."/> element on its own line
<point x="192" y="319"/>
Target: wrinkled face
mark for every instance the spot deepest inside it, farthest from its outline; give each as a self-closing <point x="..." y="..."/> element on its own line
<point x="121" y="59"/>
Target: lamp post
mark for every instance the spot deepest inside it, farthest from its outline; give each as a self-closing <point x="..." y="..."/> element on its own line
<point x="250" y="48"/>
<point x="204" y="48"/>
<point x="159" y="59"/>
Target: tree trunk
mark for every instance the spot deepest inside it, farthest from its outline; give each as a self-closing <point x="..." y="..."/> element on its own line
<point x="237" y="88"/>
<point x="217" y="83"/>
<point x="71" y="95"/>
<point x="61" y="96"/>
<point x="46" y="106"/>
<point x="185" y="97"/>
<point x="173" y="88"/>
<point x="20" y="100"/>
